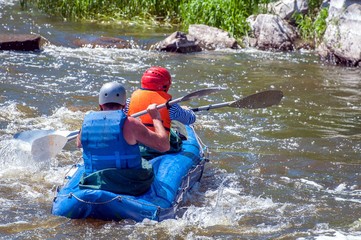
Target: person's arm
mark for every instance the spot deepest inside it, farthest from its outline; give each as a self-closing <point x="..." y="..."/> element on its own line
<point x="136" y="132"/>
<point x="78" y="140"/>
<point x="182" y="114"/>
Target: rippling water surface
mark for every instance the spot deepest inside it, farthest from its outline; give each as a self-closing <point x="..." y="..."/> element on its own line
<point x="286" y="172"/>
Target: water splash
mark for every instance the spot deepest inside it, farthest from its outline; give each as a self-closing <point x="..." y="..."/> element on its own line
<point x="16" y="154"/>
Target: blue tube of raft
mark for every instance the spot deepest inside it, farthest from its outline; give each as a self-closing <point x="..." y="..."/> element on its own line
<point x="175" y="174"/>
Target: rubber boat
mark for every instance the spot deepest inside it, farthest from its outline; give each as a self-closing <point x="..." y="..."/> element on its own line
<point x="175" y="174"/>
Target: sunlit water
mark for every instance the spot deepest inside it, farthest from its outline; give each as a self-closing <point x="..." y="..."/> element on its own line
<point x="286" y="172"/>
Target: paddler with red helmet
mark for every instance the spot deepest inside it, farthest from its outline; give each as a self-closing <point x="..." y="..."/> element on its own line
<point x="155" y="84"/>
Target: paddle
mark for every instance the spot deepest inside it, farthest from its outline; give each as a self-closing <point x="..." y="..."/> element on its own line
<point x="254" y="101"/>
<point x="187" y="97"/>
<point x="48" y="143"/>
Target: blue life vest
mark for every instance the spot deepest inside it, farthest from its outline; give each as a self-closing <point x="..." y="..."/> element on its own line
<point x="104" y="145"/>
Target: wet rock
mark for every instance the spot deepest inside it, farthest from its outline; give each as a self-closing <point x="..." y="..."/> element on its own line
<point x="342" y="39"/>
<point x="21" y="42"/>
<point x="325" y="4"/>
<point x="212" y="38"/>
<point x="178" y="42"/>
<point x="104" y="42"/>
<point x="286" y="8"/>
<point x="270" y="32"/>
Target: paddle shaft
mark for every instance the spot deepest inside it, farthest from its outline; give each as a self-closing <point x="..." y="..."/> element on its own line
<point x="74" y="134"/>
<point x="163" y="105"/>
<point x="49" y="143"/>
<point x="195" y="94"/>
<point x="212" y="106"/>
<point x="258" y="100"/>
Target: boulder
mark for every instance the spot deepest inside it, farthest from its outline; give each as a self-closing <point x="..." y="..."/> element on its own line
<point x="21" y="42"/>
<point x="342" y="39"/>
<point x="286" y="8"/>
<point x="325" y="4"/>
<point x="212" y="38"/>
<point x="271" y="33"/>
<point x="178" y="42"/>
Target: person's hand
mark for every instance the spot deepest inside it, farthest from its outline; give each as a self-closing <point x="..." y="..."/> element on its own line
<point x="153" y="111"/>
<point x="186" y="107"/>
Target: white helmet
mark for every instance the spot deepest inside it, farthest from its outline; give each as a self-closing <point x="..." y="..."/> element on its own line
<point x="112" y="92"/>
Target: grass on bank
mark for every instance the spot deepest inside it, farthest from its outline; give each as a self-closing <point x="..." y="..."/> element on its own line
<point x="312" y="26"/>
<point x="229" y="15"/>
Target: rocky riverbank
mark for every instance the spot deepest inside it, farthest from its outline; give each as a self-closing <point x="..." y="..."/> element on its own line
<point x="274" y="31"/>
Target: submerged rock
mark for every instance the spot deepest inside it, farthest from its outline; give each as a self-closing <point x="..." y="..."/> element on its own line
<point x="20" y="42"/>
<point x="104" y="42"/>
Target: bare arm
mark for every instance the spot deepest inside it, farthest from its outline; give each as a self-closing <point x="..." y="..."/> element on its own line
<point x="78" y="140"/>
<point x="135" y="131"/>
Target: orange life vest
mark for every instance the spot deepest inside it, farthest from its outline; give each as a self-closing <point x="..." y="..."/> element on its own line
<point x="141" y="99"/>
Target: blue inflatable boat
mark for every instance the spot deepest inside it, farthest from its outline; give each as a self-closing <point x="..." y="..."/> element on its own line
<point x="175" y="174"/>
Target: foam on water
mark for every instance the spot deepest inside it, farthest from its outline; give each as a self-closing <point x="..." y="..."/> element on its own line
<point x="224" y="207"/>
<point x="15" y="154"/>
<point x="8" y="2"/>
<point x="323" y="232"/>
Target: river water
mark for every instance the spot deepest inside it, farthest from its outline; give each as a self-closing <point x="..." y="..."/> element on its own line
<point x="290" y="171"/>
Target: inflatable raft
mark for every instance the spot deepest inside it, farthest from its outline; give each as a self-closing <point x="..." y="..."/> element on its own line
<point x="175" y="174"/>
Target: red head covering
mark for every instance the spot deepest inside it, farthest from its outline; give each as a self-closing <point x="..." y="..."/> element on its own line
<point x="157" y="79"/>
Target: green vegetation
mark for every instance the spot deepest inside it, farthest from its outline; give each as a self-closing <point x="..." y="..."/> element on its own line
<point x="320" y="23"/>
<point x="312" y="26"/>
<point x="229" y="15"/>
<point x="160" y="10"/>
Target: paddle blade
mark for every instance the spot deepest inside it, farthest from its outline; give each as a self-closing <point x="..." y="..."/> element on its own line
<point x="47" y="147"/>
<point x="46" y="144"/>
<point x="200" y="93"/>
<point x="259" y="100"/>
<point x="32" y="135"/>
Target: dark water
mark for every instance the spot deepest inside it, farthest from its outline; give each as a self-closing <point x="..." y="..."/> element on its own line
<point x="287" y="172"/>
